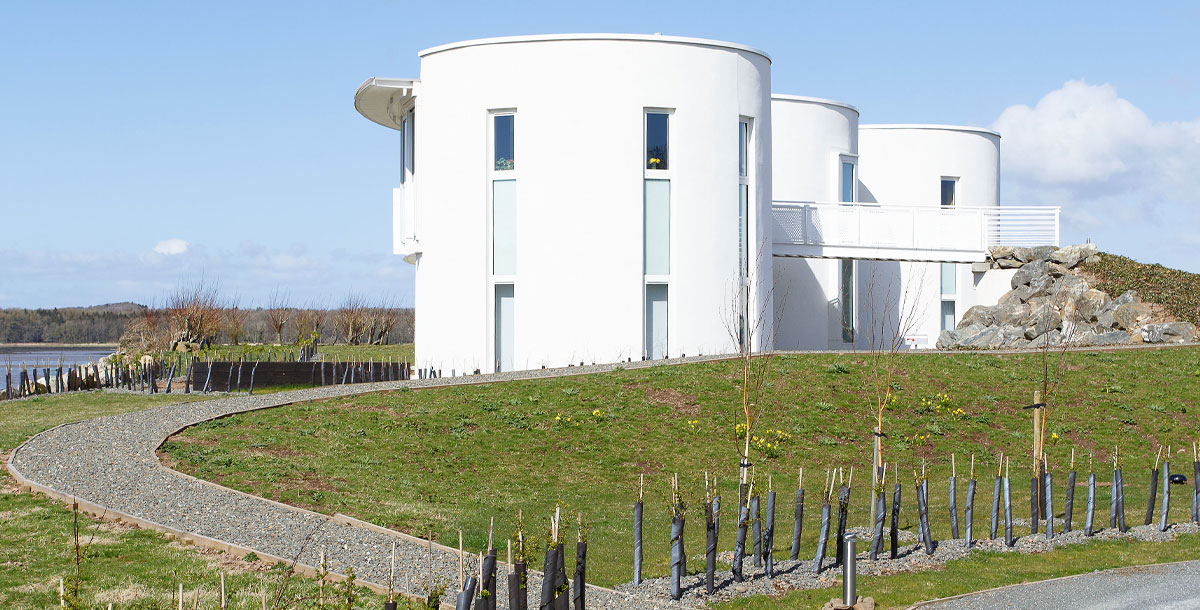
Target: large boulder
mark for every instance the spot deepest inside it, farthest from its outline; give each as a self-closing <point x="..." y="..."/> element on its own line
<point x="1029" y="255"/>
<point x="1026" y="274"/>
<point x="1043" y="319"/>
<point x="982" y="315"/>
<point x="1169" y="332"/>
<point x="1016" y="296"/>
<point x="1070" y="256"/>
<point x="1090" y="304"/>
<point x="1008" y="263"/>
<point x="1051" y="339"/>
<point x="949" y="339"/>
<point x="999" y="252"/>
<point x="1115" y="337"/>
<point x="1016" y="314"/>
<point x="1131" y="316"/>
<point x="1129" y="296"/>
<point x="987" y="339"/>
<point x="1067" y="289"/>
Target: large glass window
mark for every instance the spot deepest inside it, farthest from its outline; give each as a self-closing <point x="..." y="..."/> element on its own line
<point x="657" y="223"/>
<point x="503" y="134"/>
<point x="949" y="279"/>
<point x="657" y="136"/>
<point x="948" y="192"/>
<point x="504" y="227"/>
<point x="847" y="181"/>
<point x="847" y="300"/>
<point x="947" y="315"/>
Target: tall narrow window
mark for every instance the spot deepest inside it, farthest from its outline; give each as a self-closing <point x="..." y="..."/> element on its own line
<point x="504" y="227"/>
<point x="657" y="227"/>
<point x="947" y="315"/>
<point x="743" y="228"/>
<point x="847" y="182"/>
<point x="948" y="185"/>
<point x="504" y="327"/>
<point x="403" y="150"/>
<point x="949" y="283"/>
<point x="657" y="140"/>
<point x="847" y="300"/>
<point x="503" y="141"/>
<point x="656" y="321"/>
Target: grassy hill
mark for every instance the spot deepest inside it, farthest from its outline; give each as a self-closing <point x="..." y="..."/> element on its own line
<point x="1178" y="292"/>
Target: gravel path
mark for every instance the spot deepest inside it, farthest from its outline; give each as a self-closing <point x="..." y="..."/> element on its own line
<point x="1175" y="586"/>
<point x="111" y="462"/>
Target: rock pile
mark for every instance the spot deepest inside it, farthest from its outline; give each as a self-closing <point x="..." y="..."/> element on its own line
<point x="1051" y="304"/>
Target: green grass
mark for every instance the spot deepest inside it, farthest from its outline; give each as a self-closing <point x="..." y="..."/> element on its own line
<point x="451" y="458"/>
<point x="129" y="568"/>
<point x="985" y="570"/>
<point x="1176" y="291"/>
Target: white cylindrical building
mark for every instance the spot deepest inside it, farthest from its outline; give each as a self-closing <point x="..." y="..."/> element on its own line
<point x="582" y="198"/>
<point x="936" y="166"/>
<point x="815" y="159"/>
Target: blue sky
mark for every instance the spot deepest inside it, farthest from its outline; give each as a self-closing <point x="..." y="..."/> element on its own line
<point x="145" y="144"/>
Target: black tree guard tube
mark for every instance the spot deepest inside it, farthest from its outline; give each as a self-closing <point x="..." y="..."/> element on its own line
<point x="798" y="524"/>
<point x="1121" y="501"/>
<point x="710" y="550"/>
<point x="739" y="547"/>
<point x="562" y="591"/>
<point x="546" y="600"/>
<point x="895" y="525"/>
<point x="843" y="510"/>
<point x="1153" y="495"/>
<point x="970" y="513"/>
<point x="516" y="587"/>
<point x="1008" y="532"/>
<point x="1069" y="503"/>
<point x="1091" y="505"/>
<point x="995" y="509"/>
<point x="1166" y="499"/>
<point x="580" y="584"/>
<point x="1112" y="500"/>
<point x="1196" y="492"/>
<point x="923" y="515"/>
<point x="756" y="528"/>
<point x="877" y="530"/>
<point x="822" y="539"/>
<point x="1033" y="505"/>
<point x="1047" y="493"/>
<point x="769" y="536"/>
<point x="637" y="542"/>
<point x="677" y="557"/>
<point x="953" y="509"/>
<point x="466" y="596"/>
<point x="487" y="589"/>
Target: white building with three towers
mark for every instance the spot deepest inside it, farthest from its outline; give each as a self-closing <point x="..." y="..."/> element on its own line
<point x="606" y="197"/>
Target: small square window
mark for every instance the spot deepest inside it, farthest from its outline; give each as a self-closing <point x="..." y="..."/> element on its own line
<point x="948" y="192"/>
<point x="657" y="135"/>
<point x="503" y="133"/>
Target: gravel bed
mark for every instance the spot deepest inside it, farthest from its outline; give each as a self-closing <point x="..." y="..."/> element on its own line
<point x="111" y="462"/>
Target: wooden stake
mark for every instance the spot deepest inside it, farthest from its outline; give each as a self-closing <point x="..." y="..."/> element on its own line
<point x="222" y="591"/>
<point x="196" y="599"/>
<point x="392" y="573"/>
<point x="264" y="600"/>
<point x="181" y="597"/>
<point x="1072" y="458"/>
<point x="641" y="485"/>
<point x="491" y="526"/>
<point x="509" y="556"/>
<point x="850" y="481"/>
<point x="1157" y="457"/>
<point x="800" y="482"/>
<point x="972" y="466"/>
<point x="953" y="467"/>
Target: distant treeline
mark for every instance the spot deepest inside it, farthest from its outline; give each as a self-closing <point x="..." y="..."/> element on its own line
<point x="99" y="324"/>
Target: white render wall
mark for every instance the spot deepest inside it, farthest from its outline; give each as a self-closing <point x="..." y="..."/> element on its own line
<point x="811" y="138"/>
<point x="579" y="152"/>
<point x="904" y="164"/>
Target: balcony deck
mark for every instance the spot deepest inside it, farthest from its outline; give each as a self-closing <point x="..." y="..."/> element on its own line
<point x="933" y="234"/>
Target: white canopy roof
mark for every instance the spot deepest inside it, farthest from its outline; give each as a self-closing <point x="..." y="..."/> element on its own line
<point x="382" y="100"/>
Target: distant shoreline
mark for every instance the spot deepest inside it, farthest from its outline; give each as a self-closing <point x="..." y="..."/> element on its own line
<point x="112" y="346"/>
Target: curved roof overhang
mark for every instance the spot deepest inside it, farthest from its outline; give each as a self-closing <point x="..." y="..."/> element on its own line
<point x="383" y="100"/>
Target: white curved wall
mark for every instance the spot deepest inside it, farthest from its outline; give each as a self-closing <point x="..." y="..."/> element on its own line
<point x="579" y="284"/>
<point x="811" y="138"/>
<point x="904" y="165"/>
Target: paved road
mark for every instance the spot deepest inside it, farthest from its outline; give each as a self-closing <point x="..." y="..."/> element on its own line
<point x="1162" y="587"/>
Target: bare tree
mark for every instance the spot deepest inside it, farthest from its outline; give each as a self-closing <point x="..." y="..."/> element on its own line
<point x="279" y="313"/>
<point x="892" y="313"/>
<point x="235" y="321"/>
<point x="193" y="312"/>
<point x="319" y="314"/>
<point x="747" y="325"/>
<point x="145" y="332"/>
<point x="350" y="319"/>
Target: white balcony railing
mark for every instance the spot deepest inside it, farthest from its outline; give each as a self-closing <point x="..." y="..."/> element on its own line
<point x="907" y="232"/>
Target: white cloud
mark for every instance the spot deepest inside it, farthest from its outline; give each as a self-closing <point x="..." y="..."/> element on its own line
<point x="1121" y="177"/>
<point x="169" y="247"/>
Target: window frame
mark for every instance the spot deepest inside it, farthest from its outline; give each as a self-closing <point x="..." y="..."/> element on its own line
<point x="953" y="180"/>
<point x="656" y="174"/>
<point x="852" y="160"/>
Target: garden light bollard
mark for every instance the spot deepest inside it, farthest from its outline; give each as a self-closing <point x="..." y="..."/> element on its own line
<point x="849" y="572"/>
<point x="1166" y="494"/>
<point x="1091" y="505"/>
